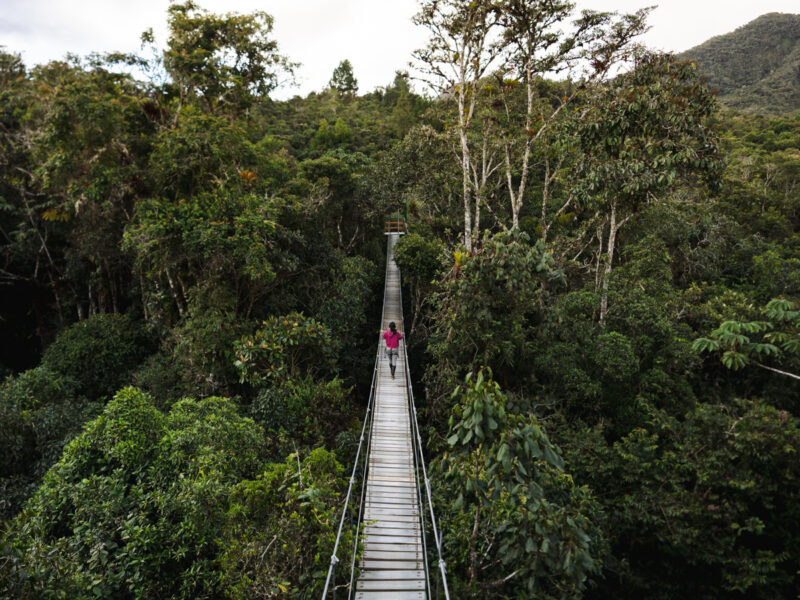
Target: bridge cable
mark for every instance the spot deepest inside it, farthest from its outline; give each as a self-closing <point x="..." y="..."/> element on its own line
<point x="367" y="419"/>
<point x="418" y="444"/>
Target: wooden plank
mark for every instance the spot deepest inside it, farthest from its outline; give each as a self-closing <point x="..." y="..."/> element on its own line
<point x="387" y="585"/>
<point x="380" y="530"/>
<point x="395" y="509"/>
<point x="386" y="555"/>
<point x="369" y="564"/>
<point x="375" y="538"/>
<point x="378" y="547"/>
<point x="392" y="518"/>
<point x="376" y="496"/>
<point x="390" y="504"/>
<point x="393" y="574"/>
<point x="391" y="595"/>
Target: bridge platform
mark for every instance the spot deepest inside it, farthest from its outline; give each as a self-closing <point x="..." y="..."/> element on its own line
<point x="393" y="561"/>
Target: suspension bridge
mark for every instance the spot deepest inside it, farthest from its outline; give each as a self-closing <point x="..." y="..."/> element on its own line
<point x="389" y="493"/>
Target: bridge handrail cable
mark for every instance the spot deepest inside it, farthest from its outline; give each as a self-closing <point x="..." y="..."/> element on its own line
<point x="419" y="460"/>
<point x="367" y="419"/>
<point x="418" y="445"/>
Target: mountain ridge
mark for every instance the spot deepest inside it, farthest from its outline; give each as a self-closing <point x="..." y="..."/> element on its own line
<point x="756" y="67"/>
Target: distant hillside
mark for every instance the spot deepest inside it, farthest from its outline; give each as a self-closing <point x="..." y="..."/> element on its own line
<point x="757" y="67"/>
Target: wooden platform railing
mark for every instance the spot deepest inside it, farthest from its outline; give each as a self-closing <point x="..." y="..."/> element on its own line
<point x="395" y="227"/>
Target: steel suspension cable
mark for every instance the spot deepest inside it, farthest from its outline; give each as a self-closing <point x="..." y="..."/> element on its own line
<point x="417" y="460"/>
<point x="334" y="559"/>
<point x="418" y="441"/>
<point x="367" y="418"/>
<point x="418" y="444"/>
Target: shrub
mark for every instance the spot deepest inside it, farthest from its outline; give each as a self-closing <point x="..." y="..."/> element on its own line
<point x="98" y="354"/>
<point x="286" y="346"/>
<point x="303" y="410"/>
<point x="39" y="414"/>
<point x="135" y="507"/>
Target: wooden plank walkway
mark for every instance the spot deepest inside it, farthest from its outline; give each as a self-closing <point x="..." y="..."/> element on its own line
<point x="393" y="563"/>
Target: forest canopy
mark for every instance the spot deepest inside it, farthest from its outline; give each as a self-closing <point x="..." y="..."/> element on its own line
<point x="601" y="280"/>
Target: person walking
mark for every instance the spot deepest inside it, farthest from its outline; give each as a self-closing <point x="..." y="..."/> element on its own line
<point x="392" y="337"/>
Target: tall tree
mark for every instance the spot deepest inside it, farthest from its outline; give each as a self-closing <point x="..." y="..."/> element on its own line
<point x="535" y="47"/>
<point x="462" y="50"/>
<point x="643" y="134"/>
<point x="223" y="61"/>
<point x="343" y="80"/>
<point x="74" y="153"/>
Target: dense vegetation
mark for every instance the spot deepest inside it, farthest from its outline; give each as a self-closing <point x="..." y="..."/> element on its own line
<point x="601" y="280"/>
<point x="757" y="67"/>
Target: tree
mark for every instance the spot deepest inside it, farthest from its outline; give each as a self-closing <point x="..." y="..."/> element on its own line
<point x="343" y="80"/>
<point x="329" y="138"/>
<point x="135" y="479"/>
<point x="226" y="62"/>
<point x="208" y="226"/>
<point x="644" y="133"/>
<point x="76" y="158"/>
<point x="484" y="308"/>
<point x="406" y="105"/>
<point x="467" y="39"/>
<point x="285" y="347"/>
<point x="39" y="413"/>
<point x="145" y="504"/>
<point x="698" y="505"/>
<point x="281" y="528"/>
<point x="534" y="47"/>
<point x="97" y="354"/>
<point x="460" y="52"/>
<point x="420" y="261"/>
<point x="522" y="527"/>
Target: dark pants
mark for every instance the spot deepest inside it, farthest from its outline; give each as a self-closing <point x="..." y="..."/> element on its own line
<point x="392" y="353"/>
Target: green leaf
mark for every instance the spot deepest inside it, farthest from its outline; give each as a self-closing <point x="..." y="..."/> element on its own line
<point x="734" y="360"/>
<point x="530" y="545"/>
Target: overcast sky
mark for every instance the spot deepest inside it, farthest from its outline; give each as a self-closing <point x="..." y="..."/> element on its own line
<point x="375" y="35"/>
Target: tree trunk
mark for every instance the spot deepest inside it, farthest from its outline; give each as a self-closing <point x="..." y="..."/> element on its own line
<point x="465" y="162"/>
<point x="612" y="238"/>
<point x="173" y="288"/>
<point x="92" y="307"/>
<point x="417" y="307"/>
<point x="57" y="297"/>
<point x="528" y="141"/>
<point x="144" y="299"/>
<point x="545" y="195"/>
<point x="600" y="228"/>
<point x="476" y="225"/>
<point x="473" y="552"/>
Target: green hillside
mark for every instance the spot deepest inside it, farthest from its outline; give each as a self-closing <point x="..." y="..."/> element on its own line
<point x="757" y="67"/>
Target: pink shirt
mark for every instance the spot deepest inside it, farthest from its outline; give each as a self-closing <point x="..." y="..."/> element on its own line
<point x="392" y="339"/>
